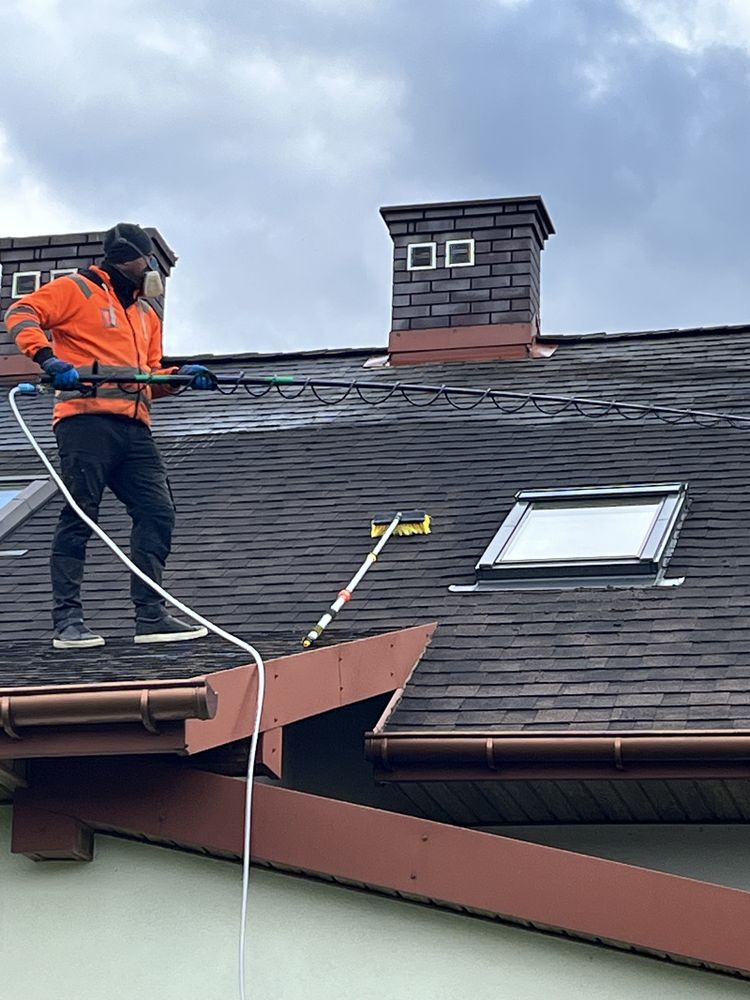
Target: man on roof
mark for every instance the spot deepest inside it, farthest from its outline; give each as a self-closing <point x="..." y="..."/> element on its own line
<point x="100" y="322"/>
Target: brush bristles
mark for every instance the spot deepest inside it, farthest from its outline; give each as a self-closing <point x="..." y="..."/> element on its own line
<point x="403" y="528"/>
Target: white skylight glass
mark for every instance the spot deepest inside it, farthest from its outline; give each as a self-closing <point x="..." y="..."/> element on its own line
<point x="20" y="497"/>
<point x="6" y="495"/>
<point x="582" y="531"/>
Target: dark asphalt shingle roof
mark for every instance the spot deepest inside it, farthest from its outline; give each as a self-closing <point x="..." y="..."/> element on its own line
<point x="275" y="497"/>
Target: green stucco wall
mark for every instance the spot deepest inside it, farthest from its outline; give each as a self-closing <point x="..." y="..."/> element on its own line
<point x="147" y="923"/>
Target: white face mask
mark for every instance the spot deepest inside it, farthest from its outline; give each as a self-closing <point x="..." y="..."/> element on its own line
<point x="152" y="286"/>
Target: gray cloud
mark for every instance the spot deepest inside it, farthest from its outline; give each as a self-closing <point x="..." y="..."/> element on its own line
<point x="262" y="138"/>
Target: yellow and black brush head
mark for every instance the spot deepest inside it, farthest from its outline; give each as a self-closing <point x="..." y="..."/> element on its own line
<point x="413" y="522"/>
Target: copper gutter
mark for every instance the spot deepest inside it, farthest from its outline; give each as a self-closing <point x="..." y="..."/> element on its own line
<point x="145" y="702"/>
<point x="487" y="755"/>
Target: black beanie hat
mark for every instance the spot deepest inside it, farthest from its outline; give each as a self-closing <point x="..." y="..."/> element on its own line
<point x="125" y="242"/>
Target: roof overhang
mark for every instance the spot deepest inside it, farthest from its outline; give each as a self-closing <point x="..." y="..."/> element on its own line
<point x="189" y="716"/>
<point x="471" y="755"/>
<point x="591" y="898"/>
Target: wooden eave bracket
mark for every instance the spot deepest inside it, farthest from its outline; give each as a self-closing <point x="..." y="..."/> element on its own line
<point x="591" y="898"/>
<point x="189" y="716"/>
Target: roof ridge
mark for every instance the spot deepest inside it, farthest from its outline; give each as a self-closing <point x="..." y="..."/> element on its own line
<point x="261" y="356"/>
<point x="667" y="332"/>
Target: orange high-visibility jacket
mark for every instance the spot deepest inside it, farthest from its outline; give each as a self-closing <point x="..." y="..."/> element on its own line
<point x="90" y="328"/>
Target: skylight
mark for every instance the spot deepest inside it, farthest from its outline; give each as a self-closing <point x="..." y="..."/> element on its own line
<point x="609" y="534"/>
<point x="20" y="497"/>
<point x="7" y="494"/>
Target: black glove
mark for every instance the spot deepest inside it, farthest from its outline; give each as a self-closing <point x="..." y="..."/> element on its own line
<point x="202" y="377"/>
<point x="62" y="374"/>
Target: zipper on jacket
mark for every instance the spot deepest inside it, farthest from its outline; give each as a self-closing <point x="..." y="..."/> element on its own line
<point x="137" y="358"/>
<point x="98" y="280"/>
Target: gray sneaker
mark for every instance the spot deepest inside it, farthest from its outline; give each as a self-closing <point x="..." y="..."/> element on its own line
<point x="75" y="635"/>
<point x="166" y="628"/>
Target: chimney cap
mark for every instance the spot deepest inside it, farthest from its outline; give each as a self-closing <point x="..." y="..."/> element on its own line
<point x="457" y="207"/>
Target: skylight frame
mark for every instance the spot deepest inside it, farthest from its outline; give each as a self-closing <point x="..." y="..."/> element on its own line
<point x="34" y="492"/>
<point x="650" y="562"/>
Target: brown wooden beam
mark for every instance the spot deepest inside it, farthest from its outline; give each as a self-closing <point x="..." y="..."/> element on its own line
<point x="592" y="898"/>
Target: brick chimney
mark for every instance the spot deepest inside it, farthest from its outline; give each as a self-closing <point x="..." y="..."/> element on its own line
<point x="466" y="279"/>
<point x="30" y="261"/>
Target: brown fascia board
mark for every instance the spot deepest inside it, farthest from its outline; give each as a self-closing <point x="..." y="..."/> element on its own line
<point x="17" y="366"/>
<point x="311" y="682"/>
<point x="317" y="680"/>
<point x="189" y="716"/>
<point x="472" y="755"/>
<point x="595" y="899"/>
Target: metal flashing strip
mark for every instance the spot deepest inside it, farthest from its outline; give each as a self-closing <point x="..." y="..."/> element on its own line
<point x="567" y="583"/>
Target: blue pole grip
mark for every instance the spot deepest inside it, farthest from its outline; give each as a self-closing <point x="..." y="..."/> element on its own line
<point x="28" y="389"/>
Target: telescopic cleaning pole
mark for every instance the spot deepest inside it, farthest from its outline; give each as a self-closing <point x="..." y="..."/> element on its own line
<point x="459" y="397"/>
<point x="411" y="522"/>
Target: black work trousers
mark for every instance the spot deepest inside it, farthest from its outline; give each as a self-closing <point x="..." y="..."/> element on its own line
<point x="98" y="450"/>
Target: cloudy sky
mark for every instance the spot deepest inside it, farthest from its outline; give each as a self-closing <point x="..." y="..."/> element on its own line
<point x="262" y="136"/>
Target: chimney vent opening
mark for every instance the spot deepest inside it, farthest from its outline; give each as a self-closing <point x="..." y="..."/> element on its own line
<point x="60" y="272"/>
<point x="421" y="256"/>
<point x="24" y="283"/>
<point x="459" y="253"/>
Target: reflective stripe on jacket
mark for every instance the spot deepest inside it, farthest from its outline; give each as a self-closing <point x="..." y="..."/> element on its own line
<point x="89" y="327"/>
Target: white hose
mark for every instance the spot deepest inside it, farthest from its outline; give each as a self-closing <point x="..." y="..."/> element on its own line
<point x="207" y="624"/>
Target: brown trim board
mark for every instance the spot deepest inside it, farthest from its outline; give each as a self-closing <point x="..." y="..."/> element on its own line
<point x="188" y="716"/>
<point x="548" y="888"/>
